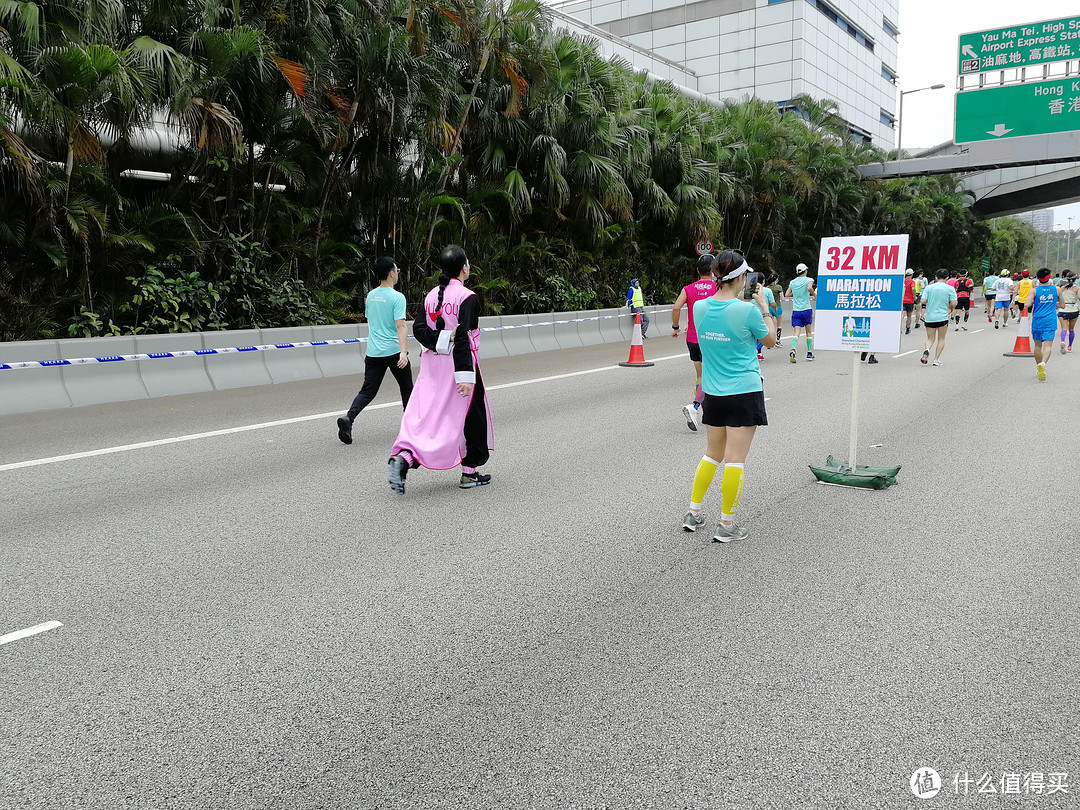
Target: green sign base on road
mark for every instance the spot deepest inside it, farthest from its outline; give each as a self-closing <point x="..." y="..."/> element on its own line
<point x="1015" y="110"/>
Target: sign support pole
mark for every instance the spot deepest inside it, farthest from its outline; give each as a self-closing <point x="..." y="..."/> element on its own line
<point x="853" y="439"/>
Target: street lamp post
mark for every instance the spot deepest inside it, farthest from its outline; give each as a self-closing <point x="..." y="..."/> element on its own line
<point x="900" y="114"/>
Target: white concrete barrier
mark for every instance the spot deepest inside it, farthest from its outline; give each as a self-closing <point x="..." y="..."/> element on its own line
<point x="491" y="343"/>
<point x="95" y="383"/>
<point x="292" y="364"/>
<point x="611" y="328"/>
<point x="338" y="360"/>
<point x="516" y="341"/>
<point x="142" y="374"/>
<point x="543" y="337"/>
<point x="35" y="389"/>
<point x="566" y="334"/>
<point x="171" y="376"/>
<point x="589" y="331"/>
<point x="237" y="370"/>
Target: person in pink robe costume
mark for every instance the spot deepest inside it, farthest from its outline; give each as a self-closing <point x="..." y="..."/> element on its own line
<point x="447" y="421"/>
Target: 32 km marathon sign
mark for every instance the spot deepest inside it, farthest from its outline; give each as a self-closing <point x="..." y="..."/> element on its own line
<point x="860" y="293"/>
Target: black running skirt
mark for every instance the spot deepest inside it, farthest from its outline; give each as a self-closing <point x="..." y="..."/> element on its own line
<point x="736" y="410"/>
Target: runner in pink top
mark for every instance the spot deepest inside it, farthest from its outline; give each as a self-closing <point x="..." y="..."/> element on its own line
<point x="704" y="287"/>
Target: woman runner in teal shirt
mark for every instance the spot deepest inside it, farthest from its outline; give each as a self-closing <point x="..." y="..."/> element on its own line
<point x="728" y="329"/>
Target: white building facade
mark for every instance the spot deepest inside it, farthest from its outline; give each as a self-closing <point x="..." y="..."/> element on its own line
<point x="843" y="50"/>
<point x="1042" y="220"/>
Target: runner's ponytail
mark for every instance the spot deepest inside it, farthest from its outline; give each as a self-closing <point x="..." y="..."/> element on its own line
<point x="440" y="324"/>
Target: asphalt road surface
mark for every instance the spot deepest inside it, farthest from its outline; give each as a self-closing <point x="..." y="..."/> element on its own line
<point x="252" y="619"/>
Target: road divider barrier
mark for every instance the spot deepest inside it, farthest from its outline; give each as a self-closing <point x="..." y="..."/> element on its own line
<point x="87" y="371"/>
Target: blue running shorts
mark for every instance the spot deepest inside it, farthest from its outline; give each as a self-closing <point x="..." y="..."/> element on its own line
<point x="804" y="317"/>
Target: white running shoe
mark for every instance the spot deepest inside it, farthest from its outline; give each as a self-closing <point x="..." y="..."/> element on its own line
<point x="1062" y="347"/>
<point x="936" y="363"/>
<point x="691" y="414"/>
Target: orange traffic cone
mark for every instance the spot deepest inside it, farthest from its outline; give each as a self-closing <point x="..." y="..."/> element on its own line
<point x="637" y="347"/>
<point x="1022" y="347"/>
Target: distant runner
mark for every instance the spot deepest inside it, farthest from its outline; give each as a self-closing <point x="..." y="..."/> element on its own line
<point x="802" y="313"/>
<point x="940" y="303"/>
<point x="964" y="286"/>
<point x="1068" y="307"/>
<point x="909" y="298"/>
<point x="1023" y="290"/>
<point x="921" y="283"/>
<point x="770" y="300"/>
<point x="777" y="309"/>
<point x="1044" y="304"/>
<point x="988" y="294"/>
<point x="1002" y="298"/>
<point x="690" y="295"/>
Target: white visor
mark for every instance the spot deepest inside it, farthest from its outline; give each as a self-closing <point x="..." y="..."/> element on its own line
<point x="738" y="271"/>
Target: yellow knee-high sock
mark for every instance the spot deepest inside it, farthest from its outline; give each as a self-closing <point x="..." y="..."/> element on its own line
<point x="731" y="486"/>
<point x="706" y="469"/>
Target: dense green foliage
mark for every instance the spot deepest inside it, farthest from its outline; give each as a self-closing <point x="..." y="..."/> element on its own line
<point x="312" y="136"/>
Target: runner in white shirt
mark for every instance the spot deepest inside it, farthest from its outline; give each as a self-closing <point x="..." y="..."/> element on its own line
<point x="1003" y="288"/>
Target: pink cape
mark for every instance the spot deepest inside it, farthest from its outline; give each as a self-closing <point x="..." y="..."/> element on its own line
<point x="432" y="429"/>
<point x="432" y="426"/>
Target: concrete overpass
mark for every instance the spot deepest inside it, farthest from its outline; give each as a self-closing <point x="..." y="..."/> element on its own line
<point x="1004" y="177"/>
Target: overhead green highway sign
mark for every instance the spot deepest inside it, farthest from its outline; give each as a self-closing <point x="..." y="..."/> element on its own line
<point x="1019" y="45"/>
<point x="1014" y="110"/>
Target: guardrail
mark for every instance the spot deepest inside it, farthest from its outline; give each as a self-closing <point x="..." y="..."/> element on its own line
<point x="91" y="371"/>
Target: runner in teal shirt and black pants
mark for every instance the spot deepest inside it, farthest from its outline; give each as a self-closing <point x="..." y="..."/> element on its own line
<point x="387" y="346"/>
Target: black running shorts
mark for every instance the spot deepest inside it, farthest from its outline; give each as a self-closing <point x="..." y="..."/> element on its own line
<point x="936" y="324"/>
<point x="695" y="351"/>
<point x="909" y="307"/>
<point x="735" y="410"/>
<point x="963" y="303"/>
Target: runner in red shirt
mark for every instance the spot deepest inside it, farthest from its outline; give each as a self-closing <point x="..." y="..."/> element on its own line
<point x="909" y="298"/>
<point x="964" y="286"/>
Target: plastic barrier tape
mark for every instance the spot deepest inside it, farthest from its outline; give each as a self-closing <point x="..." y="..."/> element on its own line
<point x="81" y="361"/>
